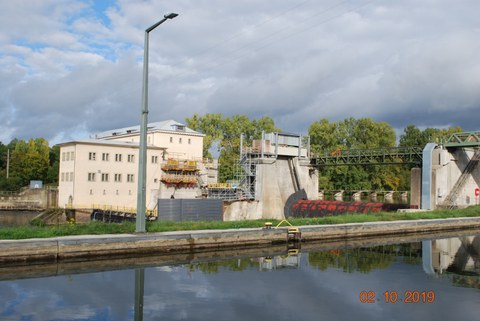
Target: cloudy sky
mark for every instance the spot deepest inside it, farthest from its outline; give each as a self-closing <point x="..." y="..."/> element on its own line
<point x="71" y="68"/>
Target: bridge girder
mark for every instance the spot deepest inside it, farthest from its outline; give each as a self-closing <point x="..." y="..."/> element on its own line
<point x="376" y="156"/>
<point x="466" y="139"/>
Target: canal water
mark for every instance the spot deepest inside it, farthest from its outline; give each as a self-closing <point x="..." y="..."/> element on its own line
<point x="433" y="279"/>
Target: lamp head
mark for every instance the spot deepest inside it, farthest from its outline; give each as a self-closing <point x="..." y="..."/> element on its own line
<point x="170" y="15"/>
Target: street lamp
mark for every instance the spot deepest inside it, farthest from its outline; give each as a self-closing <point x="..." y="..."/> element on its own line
<point x="142" y="160"/>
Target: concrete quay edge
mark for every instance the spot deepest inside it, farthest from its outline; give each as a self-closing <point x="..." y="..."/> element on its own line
<point x="115" y="245"/>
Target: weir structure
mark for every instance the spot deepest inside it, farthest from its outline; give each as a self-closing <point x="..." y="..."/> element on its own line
<point x="267" y="173"/>
<point x="449" y="176"/>
<point x="280" y="165"/>
<point x="450" y="172"/>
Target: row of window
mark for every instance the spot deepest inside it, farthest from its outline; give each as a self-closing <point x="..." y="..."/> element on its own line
<point x="67" y="156"/>
<point x="105" y="177"/>
<point x="106" y="157"/>
<point x="180" y="140"/>
<point x="118" y="157"/>
<point x="66" y="176"/>
<point x="105" y="192"/>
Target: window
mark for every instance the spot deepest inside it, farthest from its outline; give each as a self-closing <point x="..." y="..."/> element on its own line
<point x="105" y="157"/>
<point x="179" y="128"/>
<point x="63" y="157"/>
<point x="104" y="177"/>
<point x="67" y="156"/>
<point x="189" y="141"/>
<point x="104" y="192"/>
<point x="118" y="177"/>
<point x="171" y="139"/>
<point x="71" y="176"/>
<point x="72" y="156"/>
<point x="118" y="157"/>
<point x="91" y="192"/>
<point x="131" y="158"/>
<point x="180" y="140"/>
<point x="154" y="159"/>
<point x="116" y="192"/>
<point x="63" y="177"/>
<point x="130" y="178"/>
<point x="91" y="177"/>
<point x="155" y="180"/>
<point x="91" y="156"/>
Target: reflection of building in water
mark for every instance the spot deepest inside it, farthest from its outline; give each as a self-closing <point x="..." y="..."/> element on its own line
<point x="459" y="257"/>
<point x="279" y="262"/>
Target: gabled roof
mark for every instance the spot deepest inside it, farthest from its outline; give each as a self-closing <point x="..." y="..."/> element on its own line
<point x="169" y="126"/>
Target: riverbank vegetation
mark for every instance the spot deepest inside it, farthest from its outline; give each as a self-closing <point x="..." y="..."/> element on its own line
<point x="97" y="228"/>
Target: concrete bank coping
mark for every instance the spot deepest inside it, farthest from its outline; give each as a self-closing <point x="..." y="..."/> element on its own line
<point x="115" y="245"/>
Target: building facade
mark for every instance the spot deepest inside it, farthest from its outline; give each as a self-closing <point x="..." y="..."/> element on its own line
<point x="103" y="171"/>
<point x="179" y="141"/>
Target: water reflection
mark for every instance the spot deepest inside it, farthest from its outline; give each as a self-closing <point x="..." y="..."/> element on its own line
<point x="314" y="282"/>
<point x="366" y="260"/>
<point x="456" y="258"/>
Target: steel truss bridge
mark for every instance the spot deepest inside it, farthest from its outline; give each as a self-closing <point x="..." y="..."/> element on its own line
<point x="376" y="156"/>
<point x="393" y="155"/>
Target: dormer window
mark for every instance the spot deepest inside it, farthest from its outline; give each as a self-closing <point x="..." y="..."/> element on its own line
<point x="179" y="128"/>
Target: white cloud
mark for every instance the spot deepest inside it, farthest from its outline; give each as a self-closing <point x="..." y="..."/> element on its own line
<point x="404" y="62"/>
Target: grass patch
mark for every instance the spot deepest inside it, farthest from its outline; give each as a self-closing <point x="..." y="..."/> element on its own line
<point x="98" y="228"/>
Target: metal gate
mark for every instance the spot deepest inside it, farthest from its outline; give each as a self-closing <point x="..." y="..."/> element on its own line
<point x="190" y="210"/>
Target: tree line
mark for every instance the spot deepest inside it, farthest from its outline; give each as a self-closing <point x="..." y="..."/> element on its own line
<point x="24" y="161"/>
<point x="36" y="160"/>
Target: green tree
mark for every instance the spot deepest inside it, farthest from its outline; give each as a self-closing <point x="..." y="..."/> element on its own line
<point x="54" y="165"/>
<point x="210" y="125"/>
<point x="330" y="138"/>
<point x="412" y="136"/>
<point x="30" y="160"/>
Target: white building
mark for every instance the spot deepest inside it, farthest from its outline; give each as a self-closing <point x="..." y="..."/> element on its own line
<point x="179" y="141"/>
<point x="102" y="172"/>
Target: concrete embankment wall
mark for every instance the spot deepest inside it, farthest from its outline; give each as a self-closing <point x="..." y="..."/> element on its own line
<point x="39" y="198"/>
<point x="111" y="246"/>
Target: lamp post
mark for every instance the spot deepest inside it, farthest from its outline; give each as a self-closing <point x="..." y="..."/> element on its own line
<point x="142" y="160"/>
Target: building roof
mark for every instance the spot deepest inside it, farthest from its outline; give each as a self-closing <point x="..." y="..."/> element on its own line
<point x="169" y="126"/>
<point x="107" y="143"/>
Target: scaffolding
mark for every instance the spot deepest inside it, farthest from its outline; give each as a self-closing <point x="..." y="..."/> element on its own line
<point x="180" y="173"/>
<point x="225" y="191"/>
<point x="246" y="173"/>
<point x="269" y="147"/>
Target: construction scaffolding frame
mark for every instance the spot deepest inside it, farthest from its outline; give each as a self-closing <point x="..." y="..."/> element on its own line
<point x="269" y="147"/>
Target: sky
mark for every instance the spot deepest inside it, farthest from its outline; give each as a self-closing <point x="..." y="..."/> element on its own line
<point x="73" y="68"/>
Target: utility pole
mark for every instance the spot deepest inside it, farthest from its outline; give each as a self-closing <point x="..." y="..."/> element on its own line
<point x="8" y="162"/>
